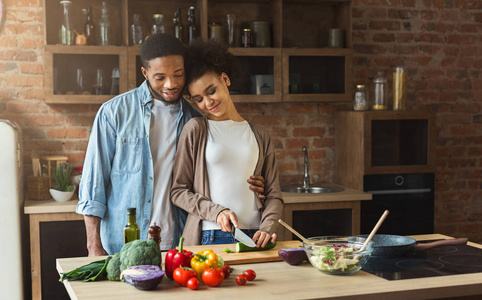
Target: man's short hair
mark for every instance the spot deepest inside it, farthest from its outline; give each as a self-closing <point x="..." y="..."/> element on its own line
<point x="160" y="45"/>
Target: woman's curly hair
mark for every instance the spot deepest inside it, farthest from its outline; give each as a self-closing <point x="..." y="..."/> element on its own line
<point x="205" y="56"/>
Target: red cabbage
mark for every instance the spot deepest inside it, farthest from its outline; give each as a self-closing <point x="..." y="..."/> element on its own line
<point x="143" y="277"/>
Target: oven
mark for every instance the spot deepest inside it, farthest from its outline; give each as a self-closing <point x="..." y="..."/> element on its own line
<point x="408" y="197"/>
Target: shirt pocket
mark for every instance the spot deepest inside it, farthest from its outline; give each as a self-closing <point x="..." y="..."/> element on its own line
<point x="127" y="159"/>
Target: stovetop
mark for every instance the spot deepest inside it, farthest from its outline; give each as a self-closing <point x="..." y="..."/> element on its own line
<point x="441" y="261"/>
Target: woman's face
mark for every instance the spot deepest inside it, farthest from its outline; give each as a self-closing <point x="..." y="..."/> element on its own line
<point x="211" y="94"/>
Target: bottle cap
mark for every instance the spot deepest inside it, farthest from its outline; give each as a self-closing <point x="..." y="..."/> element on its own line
<point x="115" y="73"/>
<point x="360" y="86"/>
<point x="158" y="16"/>
<point x="131" y="211"/>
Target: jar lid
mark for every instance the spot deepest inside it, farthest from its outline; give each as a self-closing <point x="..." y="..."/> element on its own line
<point x="246" y="29"/>
<point x="360" y="86"/>
<point x="158" y="16"/>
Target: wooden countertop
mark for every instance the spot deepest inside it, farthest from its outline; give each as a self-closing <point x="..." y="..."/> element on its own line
<point x="49" y="206"/>
<point x="278" y="280"/>
<point x="348" y="194"/>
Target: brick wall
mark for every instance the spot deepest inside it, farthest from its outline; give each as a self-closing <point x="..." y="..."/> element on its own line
<point x="438" y="40"/>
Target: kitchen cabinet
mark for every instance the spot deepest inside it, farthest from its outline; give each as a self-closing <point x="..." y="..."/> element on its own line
<point x="302" y="67"/>
<point x="389" y="154"/>
<point x="322" y="214"/>
<point x="383" y="142"/>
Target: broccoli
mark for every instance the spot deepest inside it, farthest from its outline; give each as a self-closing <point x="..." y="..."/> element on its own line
<point x="140" y="252"/>
<point x="113" y="268"/>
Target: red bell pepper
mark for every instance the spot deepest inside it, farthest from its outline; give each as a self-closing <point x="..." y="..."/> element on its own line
<point x="177" y="258"/>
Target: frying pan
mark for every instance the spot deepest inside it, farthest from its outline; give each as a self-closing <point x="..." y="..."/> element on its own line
<point x="388" y="245"/>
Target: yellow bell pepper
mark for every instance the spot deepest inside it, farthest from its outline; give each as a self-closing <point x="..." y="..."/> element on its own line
<point x="203" y="260"/>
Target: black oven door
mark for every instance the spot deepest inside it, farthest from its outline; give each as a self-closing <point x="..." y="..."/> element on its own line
<point x="408" y="197"/>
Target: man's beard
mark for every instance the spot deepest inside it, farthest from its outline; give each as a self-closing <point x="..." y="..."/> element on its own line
<point x="156" y="94"/>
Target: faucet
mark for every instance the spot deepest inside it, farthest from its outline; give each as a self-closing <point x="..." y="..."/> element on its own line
<point x="306" y="176"/>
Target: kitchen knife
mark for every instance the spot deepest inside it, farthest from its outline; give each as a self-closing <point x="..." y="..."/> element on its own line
<point x="243" y="237"/>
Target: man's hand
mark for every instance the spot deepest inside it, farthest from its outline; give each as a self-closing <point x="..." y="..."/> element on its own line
<point x="257" y="184"/>
<point x="92" y="229"/>
<point x="225" y="218"/>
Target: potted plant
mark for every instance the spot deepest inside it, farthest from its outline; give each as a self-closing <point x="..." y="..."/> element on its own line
<point x="62" y="190"/>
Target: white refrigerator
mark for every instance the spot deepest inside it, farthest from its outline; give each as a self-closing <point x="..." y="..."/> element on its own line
<point x="11" y="211"/>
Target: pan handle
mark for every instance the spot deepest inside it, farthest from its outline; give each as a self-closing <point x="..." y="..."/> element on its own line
<point x="450" y="242"/>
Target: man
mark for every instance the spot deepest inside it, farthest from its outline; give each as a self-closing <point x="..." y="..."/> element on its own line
<point x="131" y="151"/>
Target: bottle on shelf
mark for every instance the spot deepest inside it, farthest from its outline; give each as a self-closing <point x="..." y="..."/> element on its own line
<point x="158" y="24"/>
<point x="132" y="231"/>
<point x="360" y="101"/>
<point x="137" y="30"/>
<point x="66" y="33"/>
<point x="89" y="26"/>
<point x="114" y="87"/>
<point x="191" y="21"/>
<point x="178" y="28"/>
<point x="104" y="27"/>
<point x="380" y="90"/>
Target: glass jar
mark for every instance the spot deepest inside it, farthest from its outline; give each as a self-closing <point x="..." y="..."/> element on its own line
<point x="137" y="30"/>
<point x="380" y="90"/>
<point x="104" y="27"/>
<point x="399" y="88"/>
<point x="66" y="34"/>
<point x="158" y="25"/>
<point x="360" y="100"/>
<point x="247" y="38"/>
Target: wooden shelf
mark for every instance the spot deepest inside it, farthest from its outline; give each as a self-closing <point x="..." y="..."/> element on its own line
<point x="293" y="36"/>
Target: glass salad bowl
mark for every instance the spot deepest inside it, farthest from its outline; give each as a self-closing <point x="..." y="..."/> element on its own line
<point x="337" y="255"/>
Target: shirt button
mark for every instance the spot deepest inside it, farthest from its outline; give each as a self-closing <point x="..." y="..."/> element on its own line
<point x="150" y="178"/>
<point x="147" y="115"/>
<point x="149" y="201"/>
<point x="147" y="221"/>
<point x="147" y="135"/>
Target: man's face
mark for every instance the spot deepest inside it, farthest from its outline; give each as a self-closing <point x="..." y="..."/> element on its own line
<point x="166" y="78"/>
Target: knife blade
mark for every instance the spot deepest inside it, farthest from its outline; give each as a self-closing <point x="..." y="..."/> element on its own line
<point x="243" y="237"/>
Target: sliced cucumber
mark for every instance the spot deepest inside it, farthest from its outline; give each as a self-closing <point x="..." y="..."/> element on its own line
<point x="240" y="247"/>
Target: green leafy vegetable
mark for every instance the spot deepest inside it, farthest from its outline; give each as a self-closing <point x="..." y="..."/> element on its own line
<point x="227" y="250"/>
<point x="90" y="272"/>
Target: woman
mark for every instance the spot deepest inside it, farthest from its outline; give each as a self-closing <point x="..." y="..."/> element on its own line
<point x="216" y="153"/>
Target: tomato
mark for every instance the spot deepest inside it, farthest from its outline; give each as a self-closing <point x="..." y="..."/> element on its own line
<point x="241" y="280"/>
<point x="213" y="277"/>
<point x="227" y="271"/>
<point x="250" y="275"/>
<point x="182" y="275"/>
<point x="193" y="283"/>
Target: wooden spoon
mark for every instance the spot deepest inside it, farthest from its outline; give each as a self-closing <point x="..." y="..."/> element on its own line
<point x="295" y="232"/>
<point x="374" y="230"/>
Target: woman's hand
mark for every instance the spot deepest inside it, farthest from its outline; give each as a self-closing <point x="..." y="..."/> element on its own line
<point x="262" y="238"/>
<point x="225" y="218"/>
<point x="257" y="184"/>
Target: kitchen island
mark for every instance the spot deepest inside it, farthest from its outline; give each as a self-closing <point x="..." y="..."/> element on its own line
<point x="46" y="211"/>
<point x="278" y="280"/>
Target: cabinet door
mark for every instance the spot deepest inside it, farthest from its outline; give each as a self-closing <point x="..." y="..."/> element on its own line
<point x="316" y="75"/>
<point x="71" y="73"/>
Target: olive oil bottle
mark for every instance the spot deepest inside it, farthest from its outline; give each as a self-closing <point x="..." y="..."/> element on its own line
<point x="131" y="230"/>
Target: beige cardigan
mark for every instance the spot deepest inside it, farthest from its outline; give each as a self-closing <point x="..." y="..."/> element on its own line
<point x="190" y="186"/>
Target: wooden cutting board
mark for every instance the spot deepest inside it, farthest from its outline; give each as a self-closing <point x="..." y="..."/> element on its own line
<point x="247" y="257"/>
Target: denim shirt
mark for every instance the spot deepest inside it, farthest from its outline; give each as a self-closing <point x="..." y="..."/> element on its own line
<point x="118" y="170"/>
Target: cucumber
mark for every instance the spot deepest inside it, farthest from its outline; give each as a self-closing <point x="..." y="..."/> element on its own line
<point x="240" y="247"/>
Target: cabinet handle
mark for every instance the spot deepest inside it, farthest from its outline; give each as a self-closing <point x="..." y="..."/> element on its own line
<point x="398" y="192"/>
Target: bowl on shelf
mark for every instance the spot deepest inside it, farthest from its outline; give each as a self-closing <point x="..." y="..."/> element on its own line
<point x="60" y="196"/>
<point x="337" y="255"/>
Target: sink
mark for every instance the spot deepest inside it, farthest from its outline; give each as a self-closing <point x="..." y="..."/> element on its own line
<point x="322" y="188"/>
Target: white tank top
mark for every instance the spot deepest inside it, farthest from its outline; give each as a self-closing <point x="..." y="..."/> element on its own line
<point x="231" y="157"/>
